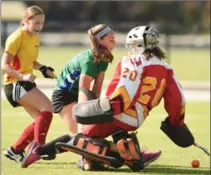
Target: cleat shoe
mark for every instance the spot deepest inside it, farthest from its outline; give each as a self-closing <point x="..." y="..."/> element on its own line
<point x="150" y="157"/>
<point x="10" y="153"/>
<point x="48" y="157"/>
<point x="32" y="155"/>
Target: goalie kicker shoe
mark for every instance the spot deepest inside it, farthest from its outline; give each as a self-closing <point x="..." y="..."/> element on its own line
<point x="48" y="157"/>
<point x="147" y="158"/>
<point x="32" y="155"/>
<point x="150" y="157"/>
<point x="10" y="153"/>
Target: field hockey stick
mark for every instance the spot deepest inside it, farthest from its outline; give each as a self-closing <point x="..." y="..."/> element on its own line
<point x="202" y="148"/>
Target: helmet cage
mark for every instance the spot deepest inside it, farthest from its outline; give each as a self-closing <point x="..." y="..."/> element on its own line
<point x="141" y="38"/>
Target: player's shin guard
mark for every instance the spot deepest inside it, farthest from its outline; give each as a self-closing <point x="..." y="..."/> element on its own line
<point x="93" y="112"/>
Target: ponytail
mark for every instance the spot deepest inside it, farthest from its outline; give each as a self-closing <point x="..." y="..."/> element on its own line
<point x="157" y="51"/>
<point x="99" y="52"/>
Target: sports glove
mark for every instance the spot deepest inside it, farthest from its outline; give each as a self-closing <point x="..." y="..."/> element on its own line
<point x="45" y="71"/>
<point x="180" y="135"/>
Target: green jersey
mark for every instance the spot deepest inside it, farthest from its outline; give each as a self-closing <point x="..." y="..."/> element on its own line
<point x="68" y="80"/>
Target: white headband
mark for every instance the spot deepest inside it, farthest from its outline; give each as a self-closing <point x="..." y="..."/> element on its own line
<point x="103" y="32"/>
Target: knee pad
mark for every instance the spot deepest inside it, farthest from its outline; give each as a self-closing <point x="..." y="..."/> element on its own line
<point x="93" y="112"/>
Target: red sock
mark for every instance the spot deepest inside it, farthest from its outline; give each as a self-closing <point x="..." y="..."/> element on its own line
<point x="26" y="137"/>
<point x="42" y="124"/>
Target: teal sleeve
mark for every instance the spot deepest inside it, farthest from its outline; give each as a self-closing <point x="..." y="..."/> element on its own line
<point x="90" y="69"/>
<point x="104" y="67"/>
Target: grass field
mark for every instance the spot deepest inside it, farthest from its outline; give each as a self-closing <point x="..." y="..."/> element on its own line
<point x="189" y="64"/>
<point x="174" y="160"/>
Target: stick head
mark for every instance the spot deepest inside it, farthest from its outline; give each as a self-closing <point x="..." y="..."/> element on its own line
<point x="202" y="148"/>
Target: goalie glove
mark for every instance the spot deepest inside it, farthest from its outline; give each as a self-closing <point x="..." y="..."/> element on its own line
<point x="47" y="72"/>
<point x="180" y="135"/>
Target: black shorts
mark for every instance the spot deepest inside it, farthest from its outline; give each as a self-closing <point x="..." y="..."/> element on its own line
<point x="61" y="99"/>
<point x="15" y="91"/>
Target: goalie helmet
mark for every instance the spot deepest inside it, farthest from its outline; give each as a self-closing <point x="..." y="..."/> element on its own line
<point x="141" y="38"/>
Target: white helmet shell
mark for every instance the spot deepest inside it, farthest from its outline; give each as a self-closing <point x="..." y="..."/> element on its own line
<point x="141" y="38"/>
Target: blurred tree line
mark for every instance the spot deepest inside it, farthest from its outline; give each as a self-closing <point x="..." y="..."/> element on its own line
<point x="176" y="16"/>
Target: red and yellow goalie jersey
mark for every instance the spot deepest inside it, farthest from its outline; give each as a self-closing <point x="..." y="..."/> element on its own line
<point x="139" y="85"/>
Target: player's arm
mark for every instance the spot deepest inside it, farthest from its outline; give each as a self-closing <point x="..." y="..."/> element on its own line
<point x="174" y="101"/>
<point x="88" y="73"/>
<point x="37" y="65"/>
<point x="6" y="66"/>
<point x="12" y="45"/>
<point x="174" y="126"/>
<point x="84" y="84"/>
<point x="97" y="87"/>
<point x="47" y="71"/>
<point x="125" y="96"/>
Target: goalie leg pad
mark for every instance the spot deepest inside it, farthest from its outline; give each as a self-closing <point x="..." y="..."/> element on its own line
<point x="95" y="145"/>
<point x="119" y="135"/>
<point x="89" y="148"/>
<point x="111" y="158"/>
<point x="181" y="136"/>
<point x="129" y="148"/>
<point x="93" y="112"/>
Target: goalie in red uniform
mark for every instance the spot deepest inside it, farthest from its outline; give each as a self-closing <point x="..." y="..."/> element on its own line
<point x="140" y="81"/>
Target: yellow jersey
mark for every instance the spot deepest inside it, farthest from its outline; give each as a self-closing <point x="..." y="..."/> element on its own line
<point x="25" y="49"/>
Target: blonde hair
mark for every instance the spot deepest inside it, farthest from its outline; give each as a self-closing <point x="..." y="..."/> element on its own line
<point x="31" y="12"/>
<point x="99" y="52"/>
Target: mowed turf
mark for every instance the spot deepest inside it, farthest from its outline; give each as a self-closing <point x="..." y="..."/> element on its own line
<point x="189" y="64"/>
<point x="174" y="160"/>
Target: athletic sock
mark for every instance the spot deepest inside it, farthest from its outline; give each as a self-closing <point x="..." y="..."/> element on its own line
<point x="26" y="137"/>
<point x="42" y="124"/>
<point x="50" y="149"/>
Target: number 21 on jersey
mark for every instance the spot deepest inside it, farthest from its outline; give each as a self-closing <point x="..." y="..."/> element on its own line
<point x="148" y="84"/>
